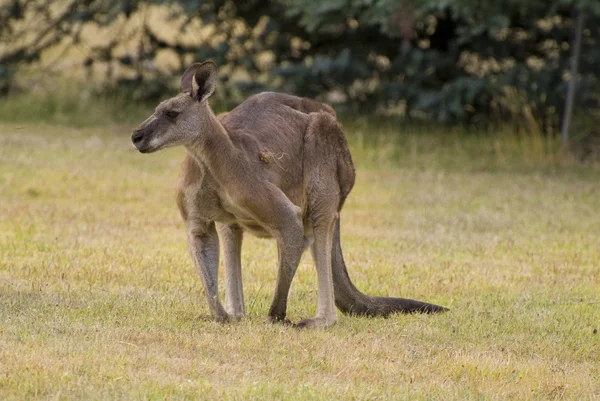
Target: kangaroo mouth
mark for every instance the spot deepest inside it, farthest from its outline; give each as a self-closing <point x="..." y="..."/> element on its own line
<point x="142" y="149"/>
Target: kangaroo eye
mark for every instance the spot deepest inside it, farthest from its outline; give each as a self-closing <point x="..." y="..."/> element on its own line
<point x="171" y="114"/>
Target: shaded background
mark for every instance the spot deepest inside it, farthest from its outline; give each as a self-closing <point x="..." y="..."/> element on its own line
<point x="484" y="62"/>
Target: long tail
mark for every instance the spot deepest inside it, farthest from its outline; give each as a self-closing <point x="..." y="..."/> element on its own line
<point x="351" y="301"/>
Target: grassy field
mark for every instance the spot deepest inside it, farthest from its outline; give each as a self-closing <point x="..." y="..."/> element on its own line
<point x="99" y="298"/>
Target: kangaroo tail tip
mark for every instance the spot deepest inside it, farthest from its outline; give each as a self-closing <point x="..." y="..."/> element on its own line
<point x="385" y="306"/>
<point x="403" y="305"/>
<point x="432" y="308"/>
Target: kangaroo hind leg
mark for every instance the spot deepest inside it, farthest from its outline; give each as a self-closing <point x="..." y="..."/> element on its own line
<point x="321" y="251"/>
<point x="326" y="188"/>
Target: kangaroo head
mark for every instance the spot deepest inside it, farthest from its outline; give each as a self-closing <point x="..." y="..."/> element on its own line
<point x="181" y="119"/>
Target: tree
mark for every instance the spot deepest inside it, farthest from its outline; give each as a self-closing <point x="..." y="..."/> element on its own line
<point x="440" y="60"/>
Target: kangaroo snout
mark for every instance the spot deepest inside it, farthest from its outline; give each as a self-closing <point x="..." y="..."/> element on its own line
<point x="143" y="133"/>
<point x="137" y="136"/>
<point x="138" y="139"/>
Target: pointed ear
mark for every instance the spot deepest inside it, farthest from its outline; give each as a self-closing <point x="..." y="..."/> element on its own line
<point x="204" y="81"/>
<point x="186" y="79"/>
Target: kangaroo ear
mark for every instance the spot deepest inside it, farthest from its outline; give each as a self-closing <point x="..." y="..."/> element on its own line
<point x="204" y="81"/>
<point x="186" y="79"/>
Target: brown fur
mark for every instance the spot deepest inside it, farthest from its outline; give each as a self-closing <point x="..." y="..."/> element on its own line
<point x="276" y="166"/>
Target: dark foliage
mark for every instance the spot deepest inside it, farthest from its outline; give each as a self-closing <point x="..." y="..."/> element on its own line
<point x="440" y="60"/>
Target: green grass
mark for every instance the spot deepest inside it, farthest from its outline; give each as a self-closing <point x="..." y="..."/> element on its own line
<point x="99" y="298"/>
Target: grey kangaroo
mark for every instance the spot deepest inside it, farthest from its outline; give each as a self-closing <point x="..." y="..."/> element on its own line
<point x="276" y="166"/>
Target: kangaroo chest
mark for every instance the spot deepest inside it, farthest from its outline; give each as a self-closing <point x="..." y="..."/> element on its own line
<point x="207" y="201"/>
<point x="236" y="214"/>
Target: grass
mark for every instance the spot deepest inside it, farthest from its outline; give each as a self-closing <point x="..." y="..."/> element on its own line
<point x="99" y="299"/>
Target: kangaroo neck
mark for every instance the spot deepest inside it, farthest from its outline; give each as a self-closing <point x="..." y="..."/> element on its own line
<point x="214" y="148"/>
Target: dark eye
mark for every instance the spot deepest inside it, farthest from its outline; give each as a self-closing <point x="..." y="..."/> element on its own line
<point x="172" y="114"/>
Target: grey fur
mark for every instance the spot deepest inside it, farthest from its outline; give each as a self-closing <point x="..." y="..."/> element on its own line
<point x="276" y="166"/>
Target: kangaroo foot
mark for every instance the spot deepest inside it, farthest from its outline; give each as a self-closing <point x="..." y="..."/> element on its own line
<point x="315" y="323"/>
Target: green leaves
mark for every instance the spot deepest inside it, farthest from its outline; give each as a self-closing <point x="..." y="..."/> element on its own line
<point x="443" y="60"/>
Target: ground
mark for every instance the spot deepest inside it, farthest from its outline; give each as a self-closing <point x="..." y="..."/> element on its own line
<point x="99" y="298"/>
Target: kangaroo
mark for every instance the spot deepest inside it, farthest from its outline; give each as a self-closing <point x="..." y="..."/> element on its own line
<point x="276" y="166"/>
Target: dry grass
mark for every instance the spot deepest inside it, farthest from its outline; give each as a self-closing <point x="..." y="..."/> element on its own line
<point x="99" y="298"/>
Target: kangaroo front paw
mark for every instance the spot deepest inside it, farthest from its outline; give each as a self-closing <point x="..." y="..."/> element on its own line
<point x="315" y="323"/>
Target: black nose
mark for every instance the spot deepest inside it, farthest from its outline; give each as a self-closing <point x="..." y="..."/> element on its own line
<point x="137" y="136"/>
